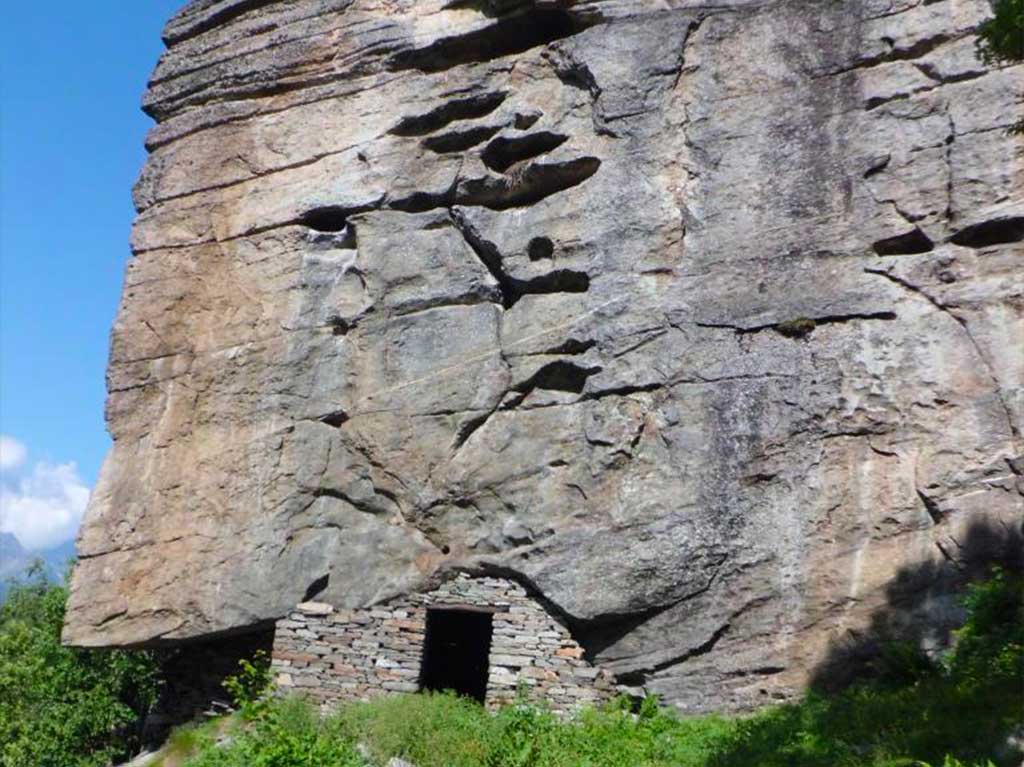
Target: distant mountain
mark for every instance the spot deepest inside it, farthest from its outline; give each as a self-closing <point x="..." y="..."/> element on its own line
<point x="15" y="560"/>
<point x="13" y="557"/>
<point x="57" y="559"/>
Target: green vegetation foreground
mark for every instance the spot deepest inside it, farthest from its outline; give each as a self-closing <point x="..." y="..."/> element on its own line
<point x="61" y="707"/>
<point x="918" y="712"/>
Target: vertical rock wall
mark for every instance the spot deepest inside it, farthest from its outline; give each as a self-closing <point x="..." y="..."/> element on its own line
<point x="703" y="319"/>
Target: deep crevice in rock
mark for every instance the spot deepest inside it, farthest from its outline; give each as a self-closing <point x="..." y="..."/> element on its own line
<point x="217" y="19"/>
<point x="914" y="51"/>
<point x="558" y="281"/>
<point x="509" y="35"/>
<point x="512" y="289"/>
<point x="801" y="326"/>
<point x="560" y="375"/>
<point x="572" y="346"/>
<point x="504" y="152"/>
<point x="878" y="165"/>
<point x="625" y="391"/>
<point x="907" y="244"/>
<point x="329" y="219"/>
<point x="362" y="504"/>
<point x="489" y="256"/>
<point x="421" y="202"/>
<point x="472" y="425"/>
<point x="528" y="185"/>
<point x="931" y="507"/>
<point x="336" y="419"/>
<point x="459" y="141"/>
<point x="332" y="226"/>
<point x="998" y="231"/>
<point x="458" y="109"/>
<point x="317" y="587"/>
<point x="639" y="676"/>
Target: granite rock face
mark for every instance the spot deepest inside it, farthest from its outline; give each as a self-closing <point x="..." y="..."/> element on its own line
<point x="704" y="320"/>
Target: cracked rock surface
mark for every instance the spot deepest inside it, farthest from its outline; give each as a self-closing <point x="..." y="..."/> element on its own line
<point x="704" y="319"/>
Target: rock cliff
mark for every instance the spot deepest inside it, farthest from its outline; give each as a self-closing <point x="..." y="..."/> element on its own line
<point x="704" y="320"/>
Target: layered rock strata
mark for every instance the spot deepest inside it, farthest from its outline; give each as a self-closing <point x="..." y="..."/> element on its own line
<point x="701" y="320"/>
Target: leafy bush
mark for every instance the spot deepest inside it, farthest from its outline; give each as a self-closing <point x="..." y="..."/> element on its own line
<point x="1001" y="38"/>
<point x="252" y="687"/>
<point x="287" y="733"/>
<point x="990" y="645"/>
<point x="59" y="706"/>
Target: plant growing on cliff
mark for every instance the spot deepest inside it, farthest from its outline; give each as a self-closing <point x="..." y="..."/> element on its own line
<point x="1001" y="39"/>
<point x="61" y="706"/>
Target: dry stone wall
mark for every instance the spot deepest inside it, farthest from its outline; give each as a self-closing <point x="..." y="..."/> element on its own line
<point x="335" y="655"/>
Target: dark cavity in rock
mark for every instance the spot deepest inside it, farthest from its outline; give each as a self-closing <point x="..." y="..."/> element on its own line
<point x="503" y="153"/>
<point x="560" y="375"/>
<point x="998" y="231"/>
<point x="458" y="141"/>
<point x="558" y="281"/>
<point x="335" y="419"/>
<point x="529" y="185"/>
<point x="540" y="248"/>
<point x="316" y="588"/>
<point x="907" y="244"/>
<point x="329" y="219"/>
<point x="513" y="34"/>
<point x="459" y="109"/>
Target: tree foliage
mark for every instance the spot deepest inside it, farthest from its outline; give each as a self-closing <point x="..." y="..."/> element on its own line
<point x="61" y="706"/>
<point x="1001" y="38"/>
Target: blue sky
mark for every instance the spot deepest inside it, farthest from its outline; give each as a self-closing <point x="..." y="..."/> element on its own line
<point x="72" y="75"/>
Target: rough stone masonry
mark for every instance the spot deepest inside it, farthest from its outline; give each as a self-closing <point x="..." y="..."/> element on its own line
<point x="330" y="655"/>
<point x="702" y="320"/>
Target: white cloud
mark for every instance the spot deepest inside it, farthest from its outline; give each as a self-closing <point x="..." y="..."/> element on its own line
<point x="42" y="508"/>
<point x="12" y="453"/>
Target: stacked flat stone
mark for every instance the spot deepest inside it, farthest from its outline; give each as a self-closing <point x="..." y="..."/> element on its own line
<point x="334" y="655"/>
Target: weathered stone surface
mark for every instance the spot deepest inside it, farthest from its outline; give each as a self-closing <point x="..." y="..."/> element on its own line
<point x="705" y="319"/>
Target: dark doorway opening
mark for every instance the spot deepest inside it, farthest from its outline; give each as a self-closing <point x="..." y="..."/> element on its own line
<point x="455" y="652"/>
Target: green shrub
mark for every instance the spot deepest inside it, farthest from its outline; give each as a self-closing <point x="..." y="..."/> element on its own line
<point x="1001" y="38"/>
<point x="287" y="733"/>
<point x="252" y="687"/>
<point x="60" y="706"/>
<point x="990" y="645"/>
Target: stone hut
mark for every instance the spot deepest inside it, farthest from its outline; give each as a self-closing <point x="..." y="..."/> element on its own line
<point x="482" y="637"/>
